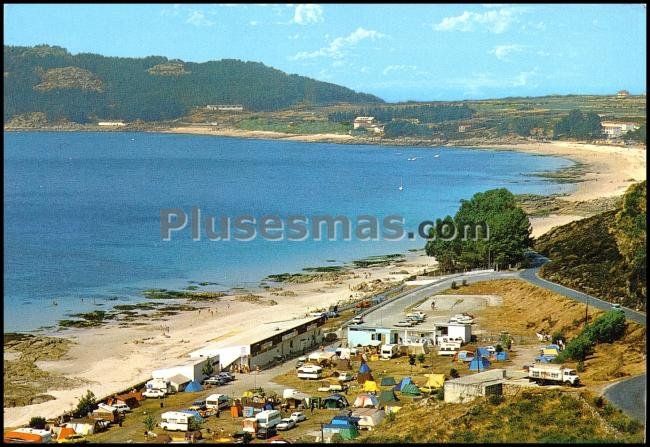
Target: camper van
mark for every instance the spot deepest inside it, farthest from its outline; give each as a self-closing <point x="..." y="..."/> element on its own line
<point x="268" y="418"/>
<point x="217" y="402"/>
<point x="389" y="351"/>
<point x="28" y="435"/>
<point x="310" y="372"/>
<point x="175" y="421"/>
<point x="447" y="350"/>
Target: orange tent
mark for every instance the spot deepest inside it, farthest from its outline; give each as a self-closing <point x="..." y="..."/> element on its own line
<point x="17" y="436"/>
<point x="65" y="432"/>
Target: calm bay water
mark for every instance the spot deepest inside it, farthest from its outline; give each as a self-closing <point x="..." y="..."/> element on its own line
<point x="82" y="210"/>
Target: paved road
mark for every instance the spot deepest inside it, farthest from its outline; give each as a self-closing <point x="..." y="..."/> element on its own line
<point x="630" y="396"/>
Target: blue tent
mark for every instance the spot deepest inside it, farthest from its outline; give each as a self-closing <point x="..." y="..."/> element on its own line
<point x="268" y="406"/>
<point x="402" y="383"/>
<point x="364" y="368"/>
<point x="501" y="356"/>
<point x="197" y="416"/>
<point x="479" y="364"/>
<point x="345" y="420"/>
<point x="193" y="387"/>
<point x="482" y="352"/>
<point x="544" y="359"/>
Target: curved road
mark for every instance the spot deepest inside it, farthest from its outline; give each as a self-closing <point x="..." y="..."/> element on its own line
<point x="628" y="395"/>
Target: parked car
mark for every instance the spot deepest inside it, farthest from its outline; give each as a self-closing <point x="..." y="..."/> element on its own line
<point x="122" y="408"/>
<point x="214" y="380"/>
<point x="357" y="320"/>
<point x="299" y="363"/>
<point x="266" y="432"/>
<point x="332" y="314"/>
<point x="298" y="416"/>
<point x="199" y="405"/>
<point x="617" y="306"/>
<point x="286" y="424"/>
<point x="227" y="376"/>
<point x="346" y="376"/>
<point x="404" y="323"/>
<point x="154" y="393"/>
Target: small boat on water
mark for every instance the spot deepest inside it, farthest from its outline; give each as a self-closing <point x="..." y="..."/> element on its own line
<point x="436" y="156"/>
<point x="401" y="184"/>
<point x="413" y="159"/>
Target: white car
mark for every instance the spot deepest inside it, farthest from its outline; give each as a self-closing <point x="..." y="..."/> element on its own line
<point x="345" y="376"/>
<point x="298" y="416"/>
<point x="153" y="393"/>
<point x="404" y="323"/>
<point x="122" y="408"/>
<point x="357" y="320"/>
<point x="286" y="424"/>
<point x="491" y="349"/>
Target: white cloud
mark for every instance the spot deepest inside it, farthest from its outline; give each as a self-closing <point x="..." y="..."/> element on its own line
<point x="306" y="14"/>
<point x="503" y="51"/>
<point x="338" y="47"/>
<point x="392" y="68"/>
<point x="197" y="18"/>
<point x="495" y="21"/>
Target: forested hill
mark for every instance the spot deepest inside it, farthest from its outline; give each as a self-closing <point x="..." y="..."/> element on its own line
<point x="87" y="87"/>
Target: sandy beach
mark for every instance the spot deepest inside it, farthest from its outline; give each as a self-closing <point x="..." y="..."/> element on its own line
<point x="113" y="358"/>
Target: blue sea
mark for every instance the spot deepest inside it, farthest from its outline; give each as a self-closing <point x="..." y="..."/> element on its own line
<point x="82" y="210"/>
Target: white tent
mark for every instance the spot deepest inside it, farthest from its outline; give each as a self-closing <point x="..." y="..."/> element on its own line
<point x="369" y="417"/>
<point x="365" y="400"/>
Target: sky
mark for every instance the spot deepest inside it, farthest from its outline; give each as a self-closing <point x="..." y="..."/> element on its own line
<point x="398" y="52"/>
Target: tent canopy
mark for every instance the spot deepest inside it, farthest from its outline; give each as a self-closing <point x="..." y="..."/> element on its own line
<point x="411" y="389"/>
<point x="197" y="416"/>
<point x="435" y="380"/>
<point x="193" y="387"/>
<point x="370" y="386"/>
<point x="402" y="383"/>
<point x="479" y="363"/>
<point x="388" y="381"/>
<point x="362" y="377"/>
<point x="365" y="400"/>
<point x="387" y="396"/>
<point x="503" y="355"/>
<point x="364" y="368"/>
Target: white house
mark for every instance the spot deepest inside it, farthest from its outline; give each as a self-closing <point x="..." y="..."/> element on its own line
<point x="615" y="130"/>
<point x="111" y="123"/>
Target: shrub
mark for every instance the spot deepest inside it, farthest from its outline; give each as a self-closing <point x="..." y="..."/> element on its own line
<point x="37" y="422"/>
<point x="440" y="394"/>
<point x="577" y="349"/>
<point x="580" y="367"/>
<point x="454" y="373"/>
<point x="599" y="402"/>
<point x="411" y="359"/>
<point x="454" y="285"/>
<point x="421" y="358"/>
<point x="464" y="282"/>
<point x="390" y="417"/>
<point x="149" y="422"/>
<point x="498" y="348"/>
<point x="557" y="336"/>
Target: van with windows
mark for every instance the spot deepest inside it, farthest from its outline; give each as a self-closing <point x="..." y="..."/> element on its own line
<point x="175" y="421"/>
<point x="217" y="402"/>
<point x="388" y="352"/>
<point x="268" y="418"/>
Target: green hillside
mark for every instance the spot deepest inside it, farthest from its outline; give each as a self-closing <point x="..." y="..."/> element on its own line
<point x="603" y="255"/>
<point x="88" y="87"/>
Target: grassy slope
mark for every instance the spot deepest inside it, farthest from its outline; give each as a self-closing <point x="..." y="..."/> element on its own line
<point x="546" y="416"/>
<point x="585" y="256"/>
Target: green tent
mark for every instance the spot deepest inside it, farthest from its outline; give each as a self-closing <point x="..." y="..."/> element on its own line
<point x="411" y="389"/>
<point x="388" y="381"/>
<point x="387" y="397"/>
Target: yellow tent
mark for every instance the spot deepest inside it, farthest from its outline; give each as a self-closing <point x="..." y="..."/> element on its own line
<point x="247" y="394"/>
<point x="434" y="381"/>
<point x="370" y="386"/>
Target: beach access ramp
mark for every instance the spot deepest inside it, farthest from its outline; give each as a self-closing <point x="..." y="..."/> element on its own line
<point x="227" y="355"/>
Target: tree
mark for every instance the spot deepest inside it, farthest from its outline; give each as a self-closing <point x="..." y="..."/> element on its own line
<point x="38" y="422"/>
<point x="607" y="328"/>
<point x="86" y="404"/>
<point x="453" y="373"/>
<point x="421" y="358"/>
<point x="579" y="125"/>
<point x="488" y="228"/>
<point x="577" y="349"/>
<point x="149" y="422"/>
<point x="207" y="369"/>
<point x="498" y="348"/>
